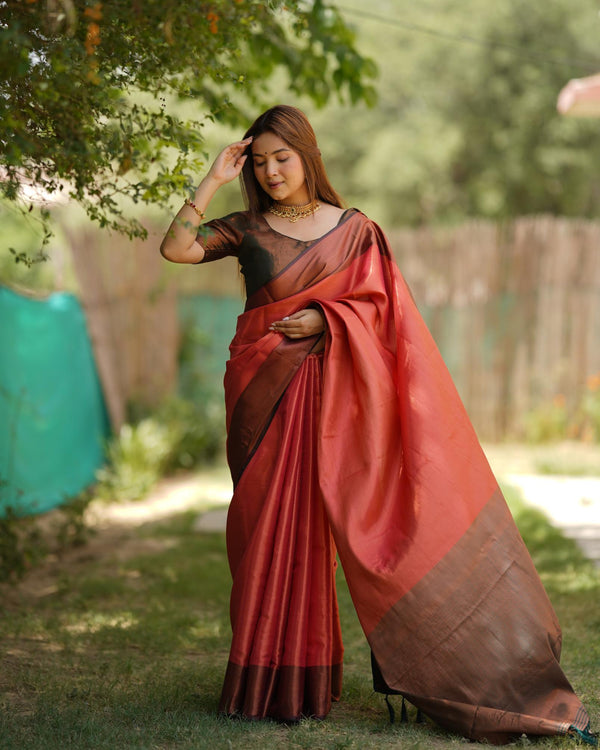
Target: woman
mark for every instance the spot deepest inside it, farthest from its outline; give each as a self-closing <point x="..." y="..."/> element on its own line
<point x="345" y="433"/>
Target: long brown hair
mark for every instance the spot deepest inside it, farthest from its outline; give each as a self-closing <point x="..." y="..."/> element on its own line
<point x="293" y="127"/>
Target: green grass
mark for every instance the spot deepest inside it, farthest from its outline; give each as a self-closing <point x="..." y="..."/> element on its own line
<point x="565" y="467"/>
<point x="568" y="458"/>
<point x="129" y="652"/>
<point x="573" y="585"/>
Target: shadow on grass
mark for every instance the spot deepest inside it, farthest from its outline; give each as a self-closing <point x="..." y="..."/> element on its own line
<point x="558" y="559"/>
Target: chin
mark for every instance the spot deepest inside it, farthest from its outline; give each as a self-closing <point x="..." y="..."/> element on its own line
<point x="277" y="195"/>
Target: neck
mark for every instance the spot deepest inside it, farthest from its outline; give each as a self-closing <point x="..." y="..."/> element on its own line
<point x="293" y="212"/>
<point x="294" y="205"/>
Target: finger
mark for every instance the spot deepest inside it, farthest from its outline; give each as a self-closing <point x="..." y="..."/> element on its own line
<point x="294" y="322"/>
<point x="235" y="150"/>
<point x="303" y="320"/>
<point x="233" y="154"/>
<point x="293" y="332"/>
<point x="283" y="325"/>
<point x="242" y="145"/>
<point x="296" y="316"/>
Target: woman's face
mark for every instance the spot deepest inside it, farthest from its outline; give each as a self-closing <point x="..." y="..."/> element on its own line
<point x="279" y="170"/>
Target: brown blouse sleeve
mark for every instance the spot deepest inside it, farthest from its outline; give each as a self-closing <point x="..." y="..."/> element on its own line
<point x="220" y="237"/>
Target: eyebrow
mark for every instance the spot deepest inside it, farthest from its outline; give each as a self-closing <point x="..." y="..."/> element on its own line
<point x="279" y="150"/>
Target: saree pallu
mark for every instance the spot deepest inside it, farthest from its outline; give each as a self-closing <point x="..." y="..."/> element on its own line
<point x="369" y="444"/>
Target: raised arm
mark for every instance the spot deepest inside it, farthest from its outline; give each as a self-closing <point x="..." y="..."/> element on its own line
<point x="179" y="244"/>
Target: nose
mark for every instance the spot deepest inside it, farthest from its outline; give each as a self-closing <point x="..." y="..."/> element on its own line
<point x="272" y="167"/>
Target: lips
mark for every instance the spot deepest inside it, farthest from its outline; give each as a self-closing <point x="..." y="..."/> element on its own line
<point x="274" y="185"/>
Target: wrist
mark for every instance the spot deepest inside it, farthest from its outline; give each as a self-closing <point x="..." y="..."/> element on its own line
<point x="204" y="193"/>
<point x="197" y="210"/>
<point x="209" y="184"/>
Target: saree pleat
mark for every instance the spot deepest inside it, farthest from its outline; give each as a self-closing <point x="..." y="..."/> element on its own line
<point x="286" y="653"/>
<point x="370" y="445"/>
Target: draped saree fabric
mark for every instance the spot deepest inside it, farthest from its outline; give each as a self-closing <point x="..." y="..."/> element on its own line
<point x="366" y="449"/>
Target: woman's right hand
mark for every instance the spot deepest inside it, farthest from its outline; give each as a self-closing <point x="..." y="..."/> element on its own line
<point x="228" y="164"/>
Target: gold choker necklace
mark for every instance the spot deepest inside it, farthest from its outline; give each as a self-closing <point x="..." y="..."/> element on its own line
<point x="293" y="213"/>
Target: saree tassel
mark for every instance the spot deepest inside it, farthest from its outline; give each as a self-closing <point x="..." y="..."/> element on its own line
<point x="390" y="709"/>
<point x="584" y="735"/>
<point x="403" y="712"/>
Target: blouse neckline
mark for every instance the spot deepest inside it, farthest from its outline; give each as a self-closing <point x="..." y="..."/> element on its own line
<point x="343" y="217"/>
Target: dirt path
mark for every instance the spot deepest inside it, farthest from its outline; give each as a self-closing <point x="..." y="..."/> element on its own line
<point x="571" y="503"/>
<point x="201" y="490"/>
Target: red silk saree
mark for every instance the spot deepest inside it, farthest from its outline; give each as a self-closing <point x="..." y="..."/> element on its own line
<point x="365" y="449"/>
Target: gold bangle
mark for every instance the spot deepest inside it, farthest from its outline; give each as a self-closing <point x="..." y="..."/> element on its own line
<point x="189" y="203"/>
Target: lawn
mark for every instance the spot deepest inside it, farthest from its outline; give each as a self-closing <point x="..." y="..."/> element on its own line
<point x="122" y="643"/>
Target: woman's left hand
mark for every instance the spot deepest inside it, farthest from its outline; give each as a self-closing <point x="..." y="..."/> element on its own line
<point x="304" y="323"/>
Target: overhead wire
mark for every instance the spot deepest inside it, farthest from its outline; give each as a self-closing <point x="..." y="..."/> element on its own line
<point x="588" y="65"/>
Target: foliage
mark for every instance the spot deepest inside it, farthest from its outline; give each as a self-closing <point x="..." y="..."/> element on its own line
<point x="20" y="546"/>
<point x="135" y="460"/>
<point x="88" y="90"/>
<point x="589" y="410"/>
<point x="466" y="123"/>
<point x="547" y="422"/>
<point x="516" y="154"/>
<point x="197" y="429"/>
<point x="552" y="467"/>
<point x="24" y="543"/>
<point x="555" y="421"/>
<point x="23" y="269"/>
<point x="179" y="435"/>
<point x="554" y="554"/>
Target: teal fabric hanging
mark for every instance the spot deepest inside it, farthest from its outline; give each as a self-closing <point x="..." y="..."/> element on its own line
<point x="53" y="422"/>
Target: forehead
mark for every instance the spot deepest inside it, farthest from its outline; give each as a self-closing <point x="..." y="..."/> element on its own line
<point x="268" y="143"/>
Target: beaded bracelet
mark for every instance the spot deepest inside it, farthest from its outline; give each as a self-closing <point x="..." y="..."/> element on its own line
<point x="189" y="203"/>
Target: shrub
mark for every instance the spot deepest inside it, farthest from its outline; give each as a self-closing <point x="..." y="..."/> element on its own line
<point x="196" y="430"/>
<point x="180" y="435"/>
<point x="547" y="422"/>
<point x="136" y="457"/>
<point x="27" y="540"/>
<point x="589" y="410"/>
<point x="553" y="421"/>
